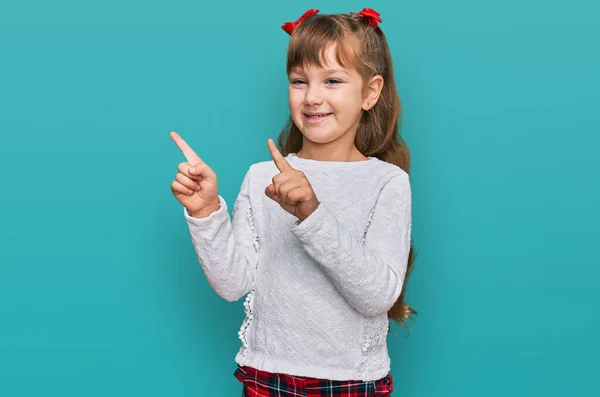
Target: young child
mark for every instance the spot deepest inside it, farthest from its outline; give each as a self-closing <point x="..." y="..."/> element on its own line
<point x="320" y="237"/>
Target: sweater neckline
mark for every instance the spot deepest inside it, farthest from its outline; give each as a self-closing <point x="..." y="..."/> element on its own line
<point x="325" y="163"/>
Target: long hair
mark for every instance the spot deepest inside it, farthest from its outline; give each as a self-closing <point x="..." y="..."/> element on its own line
<point x="360" y="46"/>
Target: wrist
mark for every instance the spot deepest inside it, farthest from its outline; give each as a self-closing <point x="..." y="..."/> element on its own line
<point x="313" y="208"/>
<point x="205" y="212"/>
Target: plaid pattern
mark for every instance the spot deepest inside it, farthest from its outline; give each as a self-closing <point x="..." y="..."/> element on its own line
<point x="265" y="384"/>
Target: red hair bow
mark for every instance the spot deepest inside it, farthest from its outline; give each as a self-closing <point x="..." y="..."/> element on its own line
<point x="370" y="15"/>
<point x="289" y="27"/>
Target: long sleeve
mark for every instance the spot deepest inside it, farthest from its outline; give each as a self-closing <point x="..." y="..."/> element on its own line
<point x="227" y="248"/>
<point x="369" y="276"/>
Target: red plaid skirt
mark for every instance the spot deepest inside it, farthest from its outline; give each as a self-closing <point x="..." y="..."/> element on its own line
<point x="265" y="384"/>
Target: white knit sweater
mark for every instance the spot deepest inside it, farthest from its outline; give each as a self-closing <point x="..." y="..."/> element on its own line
<point x="318" y="291"/>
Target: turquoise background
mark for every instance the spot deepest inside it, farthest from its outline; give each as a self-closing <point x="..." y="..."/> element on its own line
<point x="100" y="290"/>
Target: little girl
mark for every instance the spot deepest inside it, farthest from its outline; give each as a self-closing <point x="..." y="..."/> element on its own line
<point x="320" y="237"/>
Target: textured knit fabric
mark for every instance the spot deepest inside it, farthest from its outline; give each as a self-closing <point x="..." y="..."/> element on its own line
<point x="317" y="291"/>
<point x="258" y="383"/>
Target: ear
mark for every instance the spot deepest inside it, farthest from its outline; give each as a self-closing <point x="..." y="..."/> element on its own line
<point x="372" y="91"/>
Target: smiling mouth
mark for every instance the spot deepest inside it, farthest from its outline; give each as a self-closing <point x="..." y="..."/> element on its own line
<point x="316" y="116"/>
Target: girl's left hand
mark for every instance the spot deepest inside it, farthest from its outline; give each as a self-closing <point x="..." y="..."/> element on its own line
<point x="290" y="188"/>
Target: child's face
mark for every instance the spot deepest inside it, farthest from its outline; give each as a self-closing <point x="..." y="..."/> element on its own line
<point x="326" y="103"/>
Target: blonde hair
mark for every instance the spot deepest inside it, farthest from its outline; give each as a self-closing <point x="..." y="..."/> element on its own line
<point x="360" y="46"/>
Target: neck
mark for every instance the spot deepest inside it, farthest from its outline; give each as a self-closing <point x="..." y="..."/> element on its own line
<point x="325" y="152"/>
<point x="341" y="149"/>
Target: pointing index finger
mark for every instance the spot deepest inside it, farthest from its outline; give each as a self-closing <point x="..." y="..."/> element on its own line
<point x="280" y="162"/>
<point x="187" y="151"/>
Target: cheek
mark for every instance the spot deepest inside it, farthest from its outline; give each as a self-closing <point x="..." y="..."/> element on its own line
<point x="295" y="105"/>
<point x="294" y="98"/>
<point x="347" y="101"/>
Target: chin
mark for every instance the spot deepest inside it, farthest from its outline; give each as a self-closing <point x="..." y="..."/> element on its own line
<point x="318" y="137"/>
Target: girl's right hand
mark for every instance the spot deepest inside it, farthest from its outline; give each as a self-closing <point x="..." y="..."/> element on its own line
<point x="195" y="185"/>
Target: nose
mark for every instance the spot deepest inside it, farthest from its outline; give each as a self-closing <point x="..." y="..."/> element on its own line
<point x="313" y="95"/>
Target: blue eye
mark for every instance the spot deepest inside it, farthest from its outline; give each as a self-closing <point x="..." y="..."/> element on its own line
<point x="297" y="81"/>
<point x="333" y="81"/>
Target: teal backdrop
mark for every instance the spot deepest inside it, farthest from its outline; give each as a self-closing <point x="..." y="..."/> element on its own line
<point x="100" y="290"/>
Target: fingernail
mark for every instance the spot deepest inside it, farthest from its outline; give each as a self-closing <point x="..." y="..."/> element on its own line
<point x="193" y="169"/>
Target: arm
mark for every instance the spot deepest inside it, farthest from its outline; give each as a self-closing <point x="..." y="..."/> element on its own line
<point x="227" y="248"/>
<point x="370" y="276"/>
